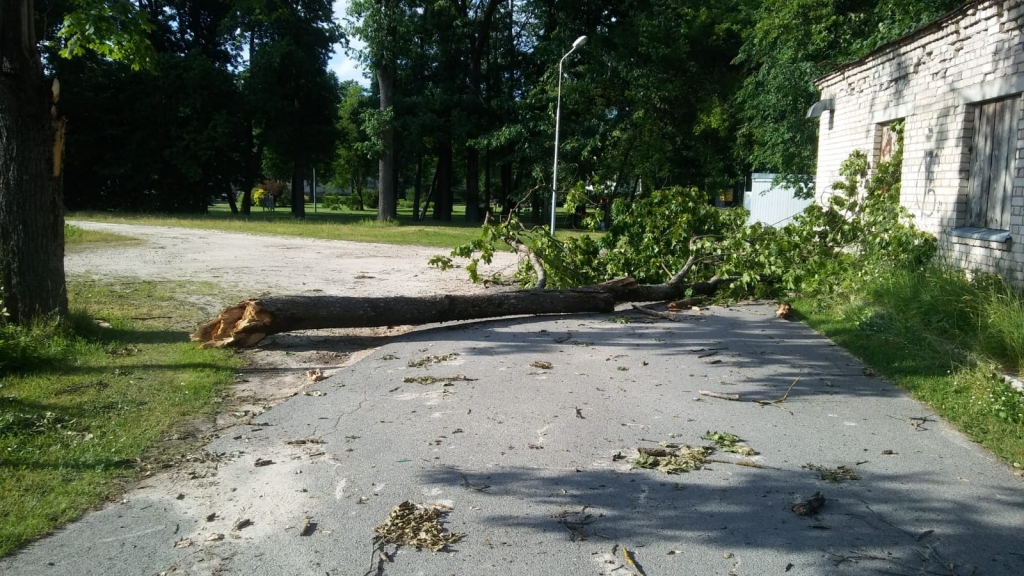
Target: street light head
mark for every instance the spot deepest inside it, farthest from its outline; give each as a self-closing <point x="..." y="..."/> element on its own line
<point x="579" y="42"/>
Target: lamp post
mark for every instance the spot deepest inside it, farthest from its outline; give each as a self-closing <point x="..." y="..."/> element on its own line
<point x="558" y="115"/>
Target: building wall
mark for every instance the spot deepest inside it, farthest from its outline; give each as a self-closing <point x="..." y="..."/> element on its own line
<point x="771" y="205"/>
<point x="932" y="80"/>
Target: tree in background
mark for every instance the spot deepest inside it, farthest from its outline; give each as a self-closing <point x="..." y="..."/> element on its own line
<point x="352" y="158"/>
<point x="295" y="97"/>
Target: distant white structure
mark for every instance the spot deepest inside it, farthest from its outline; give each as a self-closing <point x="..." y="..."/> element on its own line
<point x="774" y="206"/>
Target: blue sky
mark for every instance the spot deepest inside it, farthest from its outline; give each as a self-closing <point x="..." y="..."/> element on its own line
<point x="346" y="68"/>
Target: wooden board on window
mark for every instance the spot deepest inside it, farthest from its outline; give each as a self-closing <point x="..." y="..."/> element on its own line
<point x="993" y="158"/>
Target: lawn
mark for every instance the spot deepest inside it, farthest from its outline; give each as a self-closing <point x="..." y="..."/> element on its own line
<point x="84" y="404"/>
<point x="944" y="339"/>
<point x="343" y="224"/>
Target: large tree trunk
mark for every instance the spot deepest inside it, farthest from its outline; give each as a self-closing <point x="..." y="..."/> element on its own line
<point x="443" y="196"/>
<point x="31" y="154"/>
<point x="387" y="191"/>
<point x="250" y="321"/>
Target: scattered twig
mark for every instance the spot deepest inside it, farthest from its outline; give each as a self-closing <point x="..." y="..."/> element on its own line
<point x="631" y="562"/>
<point x="784" y="396"/>
<point x="733" y="397"/>
<point x="471" y="486"/>
<point x="918" y="422"/>
<point x="746" y="463"/>
<point x="655" y="313"/>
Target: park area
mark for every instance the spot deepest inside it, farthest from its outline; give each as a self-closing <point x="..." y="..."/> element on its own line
<point x="724" y="439"/>
<point x="527" y="325"/>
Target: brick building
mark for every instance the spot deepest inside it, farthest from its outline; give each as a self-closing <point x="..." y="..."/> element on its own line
<point x="957" y="85"/>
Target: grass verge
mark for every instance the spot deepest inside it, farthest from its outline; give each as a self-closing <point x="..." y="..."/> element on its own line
<point x="943" y="338"/>
<point x="343" y="224"/>
<point x="75" y="237"/>
<point x="81" y="406"/>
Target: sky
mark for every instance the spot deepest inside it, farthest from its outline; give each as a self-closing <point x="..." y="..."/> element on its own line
<point x="346" y="68"/>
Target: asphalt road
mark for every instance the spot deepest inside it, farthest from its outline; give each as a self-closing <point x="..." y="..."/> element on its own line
<point x="529" y="462"/>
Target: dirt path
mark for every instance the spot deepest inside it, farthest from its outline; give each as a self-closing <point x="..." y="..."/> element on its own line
<point x="250" y="265"/>
<point x="258" y="264"/>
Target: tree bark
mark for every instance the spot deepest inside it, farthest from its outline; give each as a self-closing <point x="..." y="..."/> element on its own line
<point x="387" y="192"/>
<point x="31" y="152"/>
<point x="418" y="187"/>
<point x="473" y="213"/>
<point x="250" y="321"/>
<point x="443" y="198"/>
<point x="298" y="191"/>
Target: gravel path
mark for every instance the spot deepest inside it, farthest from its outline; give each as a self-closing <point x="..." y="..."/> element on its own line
<point x="277" y="264"/>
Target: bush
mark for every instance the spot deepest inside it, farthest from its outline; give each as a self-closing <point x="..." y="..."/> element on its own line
<point x="334" y="202"/>
<point x="258" y="194"/>
<point x="369" y="200"/>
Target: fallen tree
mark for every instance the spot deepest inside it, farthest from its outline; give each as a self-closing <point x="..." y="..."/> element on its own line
<point x="250" y="321"/>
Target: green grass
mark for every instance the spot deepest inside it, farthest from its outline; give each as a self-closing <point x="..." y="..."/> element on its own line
<point x="79" y="238"/>
<point x="341" y="224"/>
<point x="81" y="407"/>
<point x="944" y="339"/>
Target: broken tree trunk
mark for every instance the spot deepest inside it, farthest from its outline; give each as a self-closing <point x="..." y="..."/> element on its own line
<point x="248" y="322"/>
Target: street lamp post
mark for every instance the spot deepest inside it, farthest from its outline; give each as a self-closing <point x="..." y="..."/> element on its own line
<point x="558" y="115"/>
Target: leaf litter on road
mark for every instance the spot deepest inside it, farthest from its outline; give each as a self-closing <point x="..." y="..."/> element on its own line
<point x="729" y="443"/>
<point x="416" y="525"/>
<point x="447" y="380"/>
<point x="434" y="359"/>
<point x="837" y="474"/>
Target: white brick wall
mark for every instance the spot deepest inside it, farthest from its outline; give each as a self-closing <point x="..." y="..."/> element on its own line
<point x="931" y="80"/>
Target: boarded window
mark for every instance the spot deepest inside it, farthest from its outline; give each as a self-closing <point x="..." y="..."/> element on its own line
<point x="888" y="144"/>
<point x="993" y="155"/>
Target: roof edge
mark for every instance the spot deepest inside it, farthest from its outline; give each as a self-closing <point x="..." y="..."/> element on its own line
<point x="904" y="39"/>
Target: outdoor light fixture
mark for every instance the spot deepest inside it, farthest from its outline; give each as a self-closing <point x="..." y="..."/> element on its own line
<point x="558" y="115"/>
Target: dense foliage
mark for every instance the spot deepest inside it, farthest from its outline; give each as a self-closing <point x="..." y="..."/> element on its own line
<point x="861" y="231"/>
<point x="665" y="93"/>
<point x="218" y="94"/>
<point x="181" y="101"/>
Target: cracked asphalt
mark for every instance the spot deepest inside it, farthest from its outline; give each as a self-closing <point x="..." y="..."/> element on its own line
<point x="535" y="464"/>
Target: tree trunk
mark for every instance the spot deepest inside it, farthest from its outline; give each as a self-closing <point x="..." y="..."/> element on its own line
<point x="387" y="192"/>
<point x="430" y="193"/>
<point x="487" y="184"/>
<point x="418" y="187"/>
<point x="473" y="185"/>
<point x="31" y="154"/>
<point x="298" y="192"/>
<point x="232" y="200"/>
<point x="443" y="198"/>
<point x="248" y="322"/>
